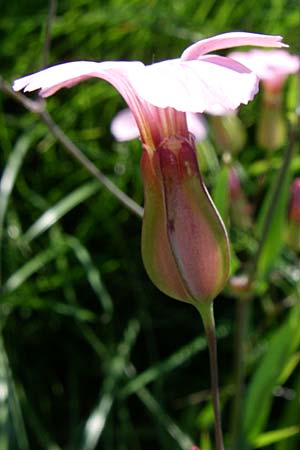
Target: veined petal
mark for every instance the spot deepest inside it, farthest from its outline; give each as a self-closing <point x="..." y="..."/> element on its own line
<point x="229" y="40"/>
<point x="54" y="78"/>
<point x="196" y="86"/>
<point x="68" y="74"/>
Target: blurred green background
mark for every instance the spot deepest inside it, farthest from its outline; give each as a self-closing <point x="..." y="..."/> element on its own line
<point x="79" y="318"/>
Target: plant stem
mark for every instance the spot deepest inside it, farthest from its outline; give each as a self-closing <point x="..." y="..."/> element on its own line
<point x="207" y="314"/>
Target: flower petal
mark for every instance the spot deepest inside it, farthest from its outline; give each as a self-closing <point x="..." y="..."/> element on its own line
<point x="68" y="74"/>
<point x="229" y="40"/>
<point x="268" y="64"/>
<point x="196" y="86"/>
<point x="123" y="127"/>
<point x="197" y="126"/>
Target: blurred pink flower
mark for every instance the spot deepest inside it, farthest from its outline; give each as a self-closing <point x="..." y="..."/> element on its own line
<point x="124" y="128"/>
<point x="271" y="66"/>
<point x="184" y="242"/>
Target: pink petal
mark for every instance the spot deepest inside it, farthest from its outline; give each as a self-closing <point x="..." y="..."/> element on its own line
<point x="196" y="86"/>
<point x="229" y="40"/>
<point x="123" y="127"/>
<point x="68" y="74"/>
<point x="268" y="64"/>
<point x="197" y="126"/>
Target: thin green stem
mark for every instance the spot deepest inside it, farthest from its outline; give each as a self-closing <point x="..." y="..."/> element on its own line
<point x="206" y="312"/>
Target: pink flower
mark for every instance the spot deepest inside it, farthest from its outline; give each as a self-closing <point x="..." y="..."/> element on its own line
<point x="195" y="82"/>
<point x="184" y="242"/>
<point x="272" y="67"/>
<point x="124" y="128"/>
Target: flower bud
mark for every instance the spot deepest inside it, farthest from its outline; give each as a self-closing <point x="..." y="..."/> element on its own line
<point x="229" y="132"/>
<point x="184" y="242"/>
<point x="271" y="128"/>
<point x="240" y="209"/>
<point x="293" y="228"/>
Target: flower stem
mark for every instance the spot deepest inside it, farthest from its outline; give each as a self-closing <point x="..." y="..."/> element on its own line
<point x="207" y="314"/>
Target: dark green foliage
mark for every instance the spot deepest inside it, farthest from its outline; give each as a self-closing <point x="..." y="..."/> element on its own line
<point x="92" y="356"/>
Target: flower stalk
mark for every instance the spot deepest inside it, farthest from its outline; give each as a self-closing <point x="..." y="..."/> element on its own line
<point x="207" y="315"/>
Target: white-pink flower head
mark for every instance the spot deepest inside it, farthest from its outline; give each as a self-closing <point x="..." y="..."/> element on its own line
<point x="271" y="66"/>
<point x="184" y="242"/>
<point x="160" y="94"/>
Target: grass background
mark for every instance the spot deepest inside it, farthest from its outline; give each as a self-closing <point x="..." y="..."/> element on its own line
<point x="79" y="318"/>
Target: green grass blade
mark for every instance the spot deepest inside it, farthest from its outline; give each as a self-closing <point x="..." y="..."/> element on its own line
<point x="92" y="273"/>
<point x="29" y="268"/>
<point x="290" y="418"/>
<point x="282" y="344"/>
<point x="172" y="362"/>
<point x="10" y="404"/>
<point x="4" y="392"/>
<point x="164" y="420"/>
<point x="56" y="212"/>
<point x="10" y="174"/>
<point x="289" y="368"/>
<point x="220" y="193"/>
<point x="273" y="241"/>
<point x="97" y="419"/>
<point x="272" y="437"/>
